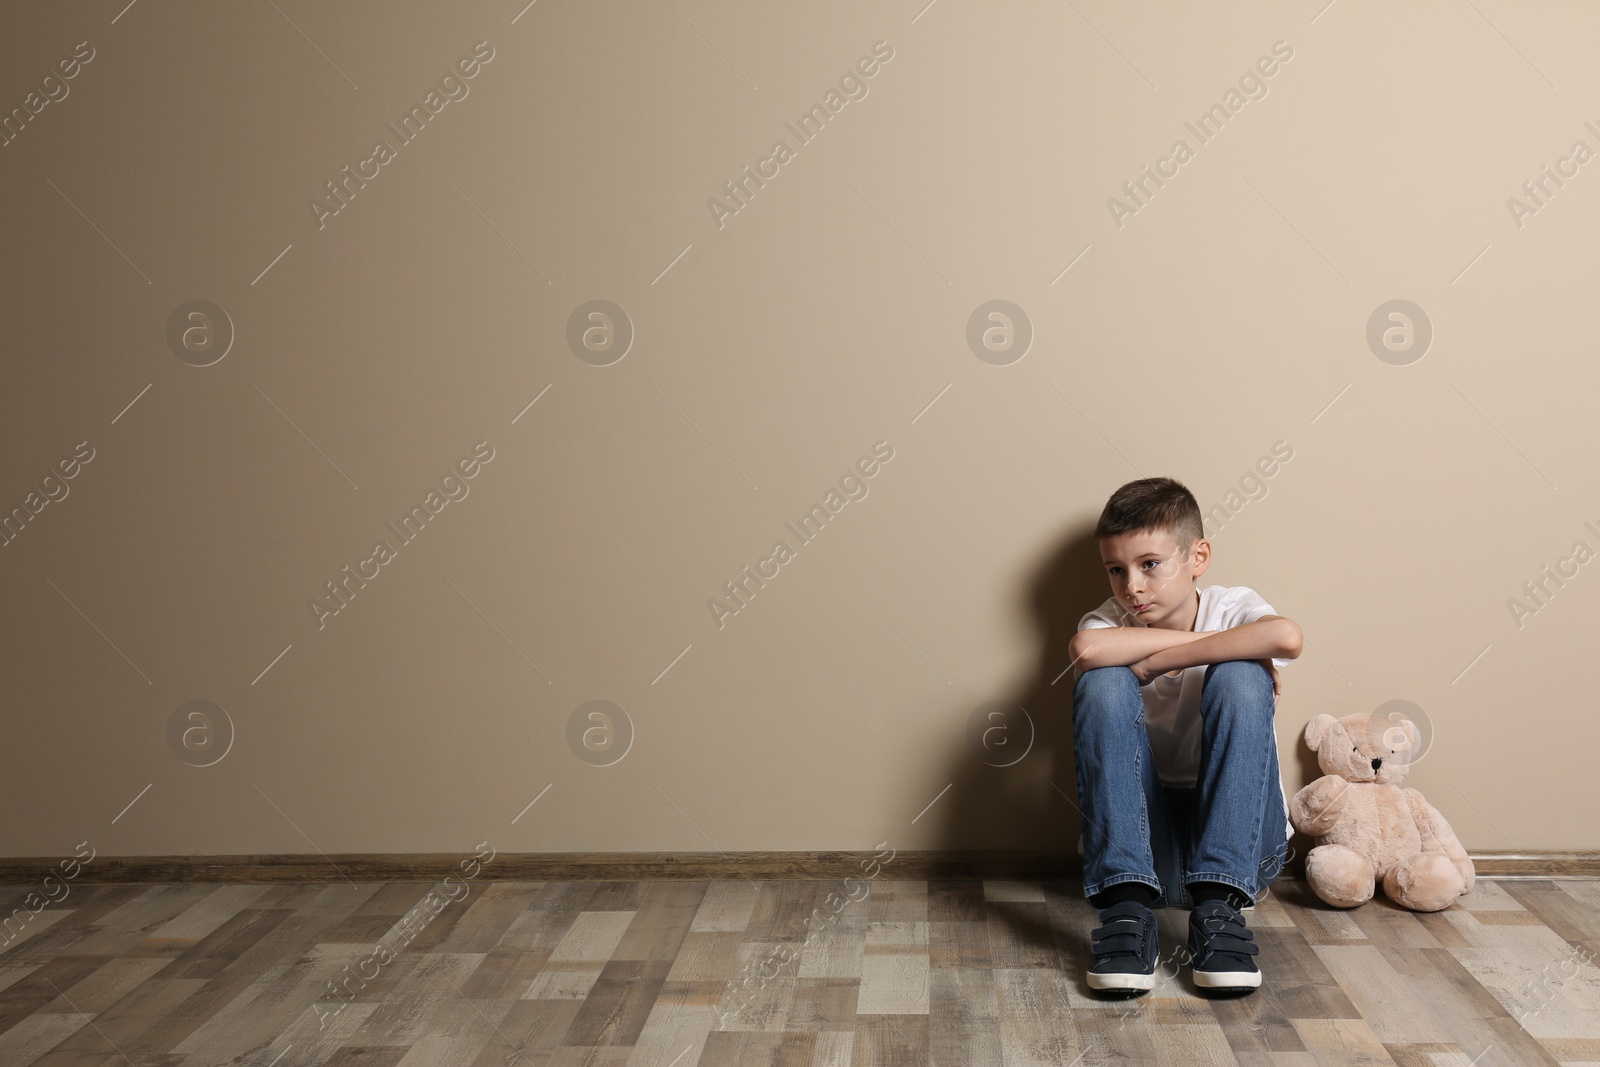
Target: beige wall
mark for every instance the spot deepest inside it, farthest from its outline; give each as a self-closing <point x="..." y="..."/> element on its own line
<point x="375" y="349"/>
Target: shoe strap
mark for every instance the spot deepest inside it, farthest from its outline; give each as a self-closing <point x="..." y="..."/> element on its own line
<point x="1124" y="930"/>
<point x="1225" y="931"/>
<point x="1228" y="945"/>
<point x="1227" y="937"/>
<point x="1108" y="940"/>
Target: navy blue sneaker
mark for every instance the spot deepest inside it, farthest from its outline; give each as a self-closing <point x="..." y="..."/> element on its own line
<point x="1123" y="949"/>
<point x="1221" y="948"/>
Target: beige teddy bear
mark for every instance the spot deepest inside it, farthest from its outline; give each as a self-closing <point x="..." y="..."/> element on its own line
<point x="1367" y="828"/>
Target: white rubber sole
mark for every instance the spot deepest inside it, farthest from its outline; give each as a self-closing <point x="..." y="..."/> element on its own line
<point x="1121" y="981"/>
<point x="1227" y="979"/>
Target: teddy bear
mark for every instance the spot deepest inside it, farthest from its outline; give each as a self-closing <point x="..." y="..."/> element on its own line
<point x="1367" y="829"/>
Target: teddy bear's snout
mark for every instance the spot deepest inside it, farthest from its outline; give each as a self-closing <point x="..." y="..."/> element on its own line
<point x="1377" y="762"/>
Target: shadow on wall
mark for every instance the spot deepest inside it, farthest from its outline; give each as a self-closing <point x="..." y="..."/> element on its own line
<point x="1001" y="798"/>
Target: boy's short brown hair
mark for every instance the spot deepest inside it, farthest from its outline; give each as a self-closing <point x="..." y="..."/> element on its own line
<point x="1153" y="504"/>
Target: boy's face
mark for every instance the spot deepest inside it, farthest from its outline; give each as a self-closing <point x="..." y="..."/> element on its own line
<point x="1151" y="581"/>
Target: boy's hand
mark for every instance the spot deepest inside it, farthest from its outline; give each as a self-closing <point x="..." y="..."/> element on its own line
<point x="1142" y="671"/>
<point x="1277" y="679"/>
<point x="1146" y="675"/>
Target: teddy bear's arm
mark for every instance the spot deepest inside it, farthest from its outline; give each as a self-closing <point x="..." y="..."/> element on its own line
<point x="1437" y="836"/>
<point x="1317" y="808"/>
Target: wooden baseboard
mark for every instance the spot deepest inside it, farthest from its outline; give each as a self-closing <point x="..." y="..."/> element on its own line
<point x="1536" y="864"/>
<point x="649" y="866"/>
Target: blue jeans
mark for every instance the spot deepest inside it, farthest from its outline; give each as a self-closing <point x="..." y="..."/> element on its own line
<point x="1228" y="827"/>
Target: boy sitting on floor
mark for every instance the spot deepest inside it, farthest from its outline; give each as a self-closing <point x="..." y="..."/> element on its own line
<point x="1176" y="757"/>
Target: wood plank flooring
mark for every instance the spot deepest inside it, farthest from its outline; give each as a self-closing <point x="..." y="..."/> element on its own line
<point x="725" y="973"/>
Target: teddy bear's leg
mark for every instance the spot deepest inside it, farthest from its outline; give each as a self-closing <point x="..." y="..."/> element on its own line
<point x="1427" y="881"/>
<point x="1341" y="876"/>
<point x="1437" y="836"/>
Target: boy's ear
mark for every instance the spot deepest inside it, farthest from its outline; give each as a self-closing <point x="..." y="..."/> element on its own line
<point x="1317" y="729"/>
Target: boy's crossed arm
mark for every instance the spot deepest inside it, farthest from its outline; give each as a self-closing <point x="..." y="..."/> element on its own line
<point x="1150" y="651"/>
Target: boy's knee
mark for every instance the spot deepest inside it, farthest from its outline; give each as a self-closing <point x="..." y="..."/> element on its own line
<point x="1105" y="678"/>
<point x="1239" y="672"/>
<point x="1241" y="684"/>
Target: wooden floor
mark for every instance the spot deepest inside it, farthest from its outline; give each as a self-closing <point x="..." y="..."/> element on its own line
<point x="672" y="974"/>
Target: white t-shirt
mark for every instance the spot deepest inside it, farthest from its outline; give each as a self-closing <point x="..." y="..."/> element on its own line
<point x="1172" y="705"/>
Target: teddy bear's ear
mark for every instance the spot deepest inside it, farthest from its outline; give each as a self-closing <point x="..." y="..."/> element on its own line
<point x="1317" y="729"/>
<point x="1413" y="735"/>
